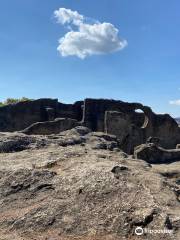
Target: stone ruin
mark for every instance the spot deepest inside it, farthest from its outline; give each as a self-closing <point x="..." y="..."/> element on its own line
<point x="122" y="119"/>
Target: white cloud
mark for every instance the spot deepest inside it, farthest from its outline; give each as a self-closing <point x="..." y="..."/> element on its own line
<point x="64" y="15"/>
<point x="175" y="102"/>
<point x="89" y="39"/>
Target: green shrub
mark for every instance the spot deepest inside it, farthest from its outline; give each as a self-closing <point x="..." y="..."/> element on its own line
<point x="10" y="101"/>
<point x="13" y="100"/>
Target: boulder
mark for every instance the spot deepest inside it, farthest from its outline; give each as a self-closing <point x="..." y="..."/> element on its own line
<point x="155" y="154"/>
<point x="50" y="127"/>
<point x="100" y="141"/>
<point x="17" y="143"/>
<point x="118" y="170"/>
<point x="77" y="131"/>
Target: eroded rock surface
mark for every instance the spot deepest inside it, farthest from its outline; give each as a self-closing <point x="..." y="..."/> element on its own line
<point x="72" y="185"/>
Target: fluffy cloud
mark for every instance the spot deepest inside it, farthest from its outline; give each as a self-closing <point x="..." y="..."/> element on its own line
<point x="175" y="102"/>
<point x="88" y="39"/>
<point x="64" y="15"/>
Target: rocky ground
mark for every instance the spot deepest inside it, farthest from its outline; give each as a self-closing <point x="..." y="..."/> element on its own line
<point x="80" y="185"/>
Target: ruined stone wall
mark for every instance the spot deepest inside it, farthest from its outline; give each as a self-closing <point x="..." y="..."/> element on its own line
<point x="136" y="132"/>
<point x="73" y="111"/>
<point x="129" y="135"/>
<point x="94" y="112"/>
<point x="122" y="120"/>
<point x="167" y="129"/>
<point x="15" y="117"/>
<point x="18" y="116"/>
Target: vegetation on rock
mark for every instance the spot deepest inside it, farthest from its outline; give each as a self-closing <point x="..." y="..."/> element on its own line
<point x="14" y="100"/>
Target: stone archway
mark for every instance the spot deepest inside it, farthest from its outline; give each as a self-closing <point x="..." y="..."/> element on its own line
<point x="142" y="119"/>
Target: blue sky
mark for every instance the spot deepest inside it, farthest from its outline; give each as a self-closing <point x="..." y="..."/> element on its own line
<point x="147" y="70"/>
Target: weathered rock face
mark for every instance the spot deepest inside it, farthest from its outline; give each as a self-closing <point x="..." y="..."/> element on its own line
<point x="155" y="154"/>
<point x="110" y="116"/>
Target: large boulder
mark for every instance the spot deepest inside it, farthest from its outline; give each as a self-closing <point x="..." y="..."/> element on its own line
<point x="51" y="127"/>
<point x="100" y="141"/>
<point x="154" y="154"/>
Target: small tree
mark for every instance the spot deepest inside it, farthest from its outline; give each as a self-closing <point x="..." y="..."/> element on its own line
<point x="11" y="101"/>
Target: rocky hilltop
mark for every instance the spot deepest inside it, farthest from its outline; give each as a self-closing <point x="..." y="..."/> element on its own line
<point x="93" y="170"/>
